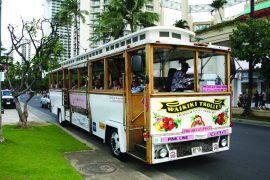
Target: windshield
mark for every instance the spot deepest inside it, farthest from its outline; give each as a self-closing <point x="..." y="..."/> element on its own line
<point x="6" y="93"/>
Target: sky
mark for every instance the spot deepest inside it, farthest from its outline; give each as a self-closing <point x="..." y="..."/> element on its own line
<point x="13" y="11"/>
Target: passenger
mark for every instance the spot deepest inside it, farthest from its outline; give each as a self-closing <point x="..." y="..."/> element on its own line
<point x="136" y="88"/>
<point x="180" y="81"/>
<point x="74" y="85"/>
<point x="83" y="85"/>
<point x="120" y="79"/>
<point x="115" y="85"/>
<point x="98" y="84"/>
<point x="60" y="84"/>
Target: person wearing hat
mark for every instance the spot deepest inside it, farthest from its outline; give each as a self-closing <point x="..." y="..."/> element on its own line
<point x="180" y="82"/>
<point x="136" y="88"/>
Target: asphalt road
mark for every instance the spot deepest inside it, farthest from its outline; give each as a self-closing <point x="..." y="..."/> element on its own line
<point x="249" y="157"/>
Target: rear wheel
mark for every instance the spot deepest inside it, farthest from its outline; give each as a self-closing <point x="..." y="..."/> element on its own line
<point x="115" y="145"/>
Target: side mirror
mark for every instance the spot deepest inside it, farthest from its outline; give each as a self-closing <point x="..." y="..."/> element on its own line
<point x="136" y="63"/>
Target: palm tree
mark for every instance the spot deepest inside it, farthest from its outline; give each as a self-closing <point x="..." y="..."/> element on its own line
<point x="63" y="21"/>
<point x="121" y="14"/>
<point x="181" y="24"/>
<point x="71" y="10"/>
<point x="217" y="5"/>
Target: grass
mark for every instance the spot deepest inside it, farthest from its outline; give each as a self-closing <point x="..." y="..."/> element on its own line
<point x="37" y="153"/>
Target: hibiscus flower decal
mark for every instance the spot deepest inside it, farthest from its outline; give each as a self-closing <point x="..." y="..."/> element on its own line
<point x="221" y="118"/>
<point x="164" y="123"/>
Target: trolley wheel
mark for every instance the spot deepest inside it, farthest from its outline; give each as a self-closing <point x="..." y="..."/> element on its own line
<point x="115" y="145"/>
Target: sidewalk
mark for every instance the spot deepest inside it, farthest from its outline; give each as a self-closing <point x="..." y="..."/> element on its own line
<point x="11" y="116"/>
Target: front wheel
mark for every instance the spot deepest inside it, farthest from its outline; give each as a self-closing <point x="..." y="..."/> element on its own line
<point x="115" y="145"/>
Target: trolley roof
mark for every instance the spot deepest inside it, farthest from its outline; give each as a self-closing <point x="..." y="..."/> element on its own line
<point x="157" y="34"/>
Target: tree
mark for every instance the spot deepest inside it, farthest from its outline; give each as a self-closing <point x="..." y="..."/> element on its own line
<point x="121" y="15"/>
<point x="71" y="10"/>
<point x="250" y="42"/>
<point x="63" y="21"/>
<point x="217" y="5"/>
<point x="181" y="24"/>
<point x="23" y="76"/>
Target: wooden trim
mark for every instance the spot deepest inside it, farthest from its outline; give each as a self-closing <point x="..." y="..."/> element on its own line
<point x="69" y="79"/>
<point x="90" y="78"/>
<point x="106" y="74"/>
<point x="149" y="88"/>
<point x="78" y="78"/>
<point x="196" y="75"/>
<point x="108" y="91"/>
<point x="126" y="88"/>
<point x="228" y="71"/>
<point x="136" y="48"/>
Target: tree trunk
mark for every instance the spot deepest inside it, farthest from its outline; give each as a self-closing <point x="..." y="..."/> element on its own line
<point x="246" y="111"/>
<point x="220" y="16"/>
<point x="77" y="35"/>
<point x="2" y="139"/>
<point x="23" y="115"/>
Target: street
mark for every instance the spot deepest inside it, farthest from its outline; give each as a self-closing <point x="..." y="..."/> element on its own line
<point x="248" y="158"/>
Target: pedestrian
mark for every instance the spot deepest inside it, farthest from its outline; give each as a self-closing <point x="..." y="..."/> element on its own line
<point x="241" y="100"/>
<point x="256" y="98"/>
<point x="262" y="100"/>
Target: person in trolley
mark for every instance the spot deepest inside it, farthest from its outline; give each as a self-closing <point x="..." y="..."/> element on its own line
<point x="179" y="82"/>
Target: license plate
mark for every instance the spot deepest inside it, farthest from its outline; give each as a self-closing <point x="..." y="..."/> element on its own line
<point x="215" y="147"/>
<point x="196" y="150"/>
<point x="8" y="102"/>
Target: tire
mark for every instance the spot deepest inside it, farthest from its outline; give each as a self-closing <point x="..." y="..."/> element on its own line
<point x="115" y="145"/>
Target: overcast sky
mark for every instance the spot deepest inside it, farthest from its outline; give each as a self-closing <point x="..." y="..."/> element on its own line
<point x="14" y="10"/>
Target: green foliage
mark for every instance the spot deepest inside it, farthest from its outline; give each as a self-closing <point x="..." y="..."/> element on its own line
<point x="120" y="14"/>
<point x="250" y="41"/>
<point x="217" y="5"/>
<point x="23" y="74"/>
<point x="37" y="153"/>
<point x="181" y="24"/>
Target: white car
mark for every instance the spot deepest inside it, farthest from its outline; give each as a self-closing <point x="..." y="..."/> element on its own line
<point x="7" y="99"/>
<point x="45" y="101"/>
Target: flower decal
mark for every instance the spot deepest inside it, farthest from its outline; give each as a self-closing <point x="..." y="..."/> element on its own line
<point x="221" y="118"/>
<point x="164" y="124"/>
<point x="197" y="121"/>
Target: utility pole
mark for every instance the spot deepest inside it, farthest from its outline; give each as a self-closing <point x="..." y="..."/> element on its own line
<point x="1" y="129"/>
<point x="252" y="9"/>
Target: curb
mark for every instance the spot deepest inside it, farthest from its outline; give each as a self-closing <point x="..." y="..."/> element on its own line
<point x="251" y="122"/>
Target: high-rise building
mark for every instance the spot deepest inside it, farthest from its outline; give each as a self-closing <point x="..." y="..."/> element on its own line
<point x="51" y="7"/>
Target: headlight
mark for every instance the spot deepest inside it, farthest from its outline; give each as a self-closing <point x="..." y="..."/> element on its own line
<point x="224" y="142"/>
<point x="163" y="152"/>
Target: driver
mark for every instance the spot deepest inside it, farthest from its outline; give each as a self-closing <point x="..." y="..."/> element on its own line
<point x="180" y="81"/>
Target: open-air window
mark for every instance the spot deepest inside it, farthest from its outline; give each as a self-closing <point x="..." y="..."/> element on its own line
<point x="116" y="69"/>
<point x="98" y="74"/>
<point x="211" y="72"/>
<point x="173" y="70"/>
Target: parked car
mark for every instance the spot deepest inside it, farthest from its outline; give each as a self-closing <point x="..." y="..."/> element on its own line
<point x="8" y="99"/>
<point x="45" y="101"/>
